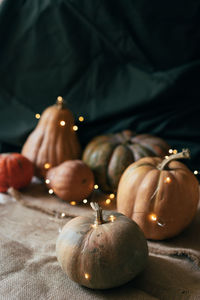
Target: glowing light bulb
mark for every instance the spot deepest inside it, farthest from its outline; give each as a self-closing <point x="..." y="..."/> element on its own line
<point x="37" y="116"/>
<point x="112" y="196"/>
<point x="196" y="172"/>
<point x="62" y="123"/>
<point x="47" y="181"/>
<point x="166" y="156"/>
<point x="112" y="218"/>
<point x="170" y="151"/>
<point x="153" y="217"/>
<point x="87" y="276"/>
<point x="175" y="151"/>
<point x="167" y="180"/>
<point x="63" y="215"/>
<point x="73" y="202"/>
<point x="108" y="201"/>
<point x="75" y="128"/>
<point x="96" y="186"/>
<point x="47" y="166"/>
<point x="81" y="118"/>
<point x="50" y="191"/>
<point x="85" y="201"/>
<point x="60" y="99"/>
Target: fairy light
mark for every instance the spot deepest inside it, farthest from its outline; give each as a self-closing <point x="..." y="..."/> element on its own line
<point x="153" y="217"/>
<point x="75" y="127"/>
<point x="108" y="201"/>
<point x="175" y="151"/>
<point x="63" y="215"/>
<point x="73" y="203"/>
<point x="96" y="186"/>
<point x="112" y="218"/>
<point x="47" y="181"/>
<point x="112" y="196"/>
<point x="62" y="123"/>
<point x="94" y="225"/>
<point x="50" y="191"/>
<point x="87" y="276"/>
<point x="37" y="116"/>
<point x="170" y="151"/>
<point x="196" y="172"/>
<point x="167" y="180"/>
<point x="81" y="118"/>
<point x="60" y="99"/>
<point x="47" y="166"/>
<point x="85" y="201"/>
<point x="166" y="156"/>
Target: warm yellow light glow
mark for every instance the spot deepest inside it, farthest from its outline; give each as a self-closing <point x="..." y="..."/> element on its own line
<point x="166" y="156"/>
<point x="153" y="217"/>
<point x="47" y="181"/>
<point x="81" y="118"/>
<point x="75" y="128"/>
<point x="96" y="186"/>
<point x="63" y="215"/>
<point x="112" y="196"/>
<point x="62" y="123"/>
<point x="112" y="218"/>
<point x="167" y="179"/>
<point x="108" y="201"/>
<point x="196" y="172"/>
<point x="50" y="191"/>
<point x="47" y="166"/>
<point x="170" y="151"/>
<point x="85" y="201"/>
<point x="37" y="116"/>
<point x="73" y="202"/>
<point x="87" y="276"/>
<point x="175" y="151"/>
<point x="60" y="99"/>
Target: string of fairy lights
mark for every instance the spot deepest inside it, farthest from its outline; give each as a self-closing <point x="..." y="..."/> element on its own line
<point x="152" y="216"/>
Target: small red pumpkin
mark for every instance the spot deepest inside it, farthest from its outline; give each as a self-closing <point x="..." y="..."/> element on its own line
<point x="15" y="171"/>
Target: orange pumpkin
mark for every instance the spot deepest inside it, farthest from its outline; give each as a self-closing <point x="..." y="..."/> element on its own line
<point x="71" y="181"/>
<point x="15" y="171"/>
<point x="160" y="196"/>
<point x="53" y="140"/>
<point x="102" y="251"/>
<point x="109" y="155"/>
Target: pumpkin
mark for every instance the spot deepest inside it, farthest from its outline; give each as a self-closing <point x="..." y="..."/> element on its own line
<point x="72" y="180"/>
<point x="15" y="171"/>
<point x="101" y="251"/>
<point x="161" y="196"/>
<point x="109" y="155"/>
<point x="53" y="140"/>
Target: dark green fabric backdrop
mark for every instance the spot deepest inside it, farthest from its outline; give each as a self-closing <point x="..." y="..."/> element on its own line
<point x="119" y="63"/>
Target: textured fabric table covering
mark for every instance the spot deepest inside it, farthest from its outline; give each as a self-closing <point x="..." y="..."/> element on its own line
<point x="29" y="268"/>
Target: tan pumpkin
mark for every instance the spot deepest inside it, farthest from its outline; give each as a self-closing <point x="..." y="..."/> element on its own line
<point x="161" y="196"/>
<point x="109" y="155"/>
<point x="71" y="181"/>
<point x="53" y="140"/>
<point x="102" y="251"/>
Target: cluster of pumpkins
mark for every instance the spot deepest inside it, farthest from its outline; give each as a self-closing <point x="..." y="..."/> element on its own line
<point x="157" y="196"/>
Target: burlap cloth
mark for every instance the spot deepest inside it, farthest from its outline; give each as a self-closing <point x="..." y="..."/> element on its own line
<point x="29" y="268"/>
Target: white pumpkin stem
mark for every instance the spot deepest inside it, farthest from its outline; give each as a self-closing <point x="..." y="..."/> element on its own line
<point x="184" y="154"/>
<point x="99" y="218"/>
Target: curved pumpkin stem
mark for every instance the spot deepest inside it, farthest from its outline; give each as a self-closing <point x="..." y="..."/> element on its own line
<point x="60" y="102"/>
<point x="99" y="218"/>
<point x="184" y="154"/>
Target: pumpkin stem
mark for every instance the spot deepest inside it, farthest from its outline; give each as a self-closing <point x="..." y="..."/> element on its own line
<point x="60" y="102"/>
<point x="184" y="154"/>
<point x="99" y="218"/>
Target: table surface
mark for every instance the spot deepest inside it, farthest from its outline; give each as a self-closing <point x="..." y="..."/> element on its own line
<point x="29" y="268"/>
